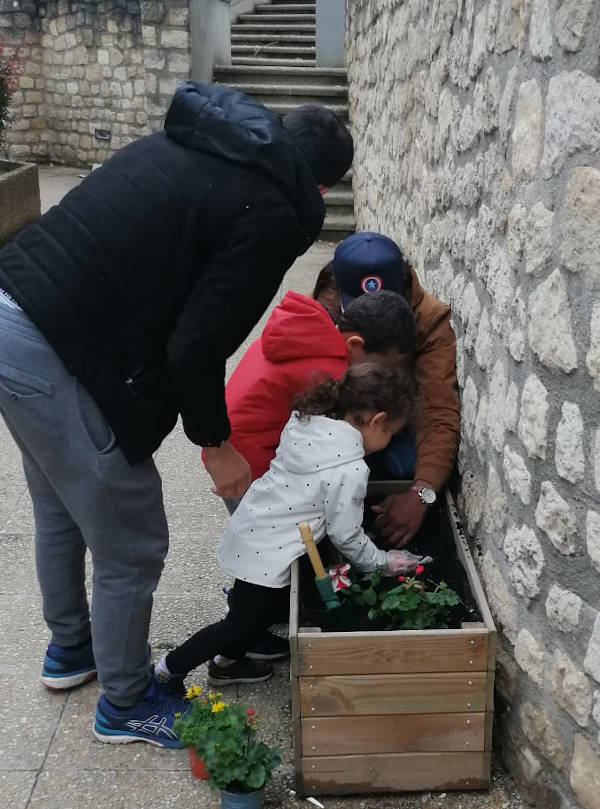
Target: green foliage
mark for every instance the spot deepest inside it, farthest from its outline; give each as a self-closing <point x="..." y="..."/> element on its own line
<point x="408" y="605"/>
<point x="224" y="736"/>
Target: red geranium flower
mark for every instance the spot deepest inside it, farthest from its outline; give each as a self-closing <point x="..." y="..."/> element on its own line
<point x="419" y="570"/>
<point x="401" y="578"/>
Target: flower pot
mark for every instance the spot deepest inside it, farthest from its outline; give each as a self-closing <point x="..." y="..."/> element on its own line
<point x="197" y="765"/>
<point x="242" y="800"/>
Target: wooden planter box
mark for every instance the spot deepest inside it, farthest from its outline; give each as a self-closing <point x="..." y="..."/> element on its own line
<point x="19" y="197"/>
<point x="393" y="711"/>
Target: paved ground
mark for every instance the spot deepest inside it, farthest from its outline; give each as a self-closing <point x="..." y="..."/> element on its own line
<point x="48" y="757"/>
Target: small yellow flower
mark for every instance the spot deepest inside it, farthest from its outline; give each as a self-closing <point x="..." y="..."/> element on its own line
<point x="177" y="714"/>
<point x="218" y="706"/>
<point x="193" y="691"/>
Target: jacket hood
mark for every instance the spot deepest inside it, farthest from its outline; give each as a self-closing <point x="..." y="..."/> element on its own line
<point x="228" y="124"/>
<point x="314" y="443"/>
<point x="300" y="328"/>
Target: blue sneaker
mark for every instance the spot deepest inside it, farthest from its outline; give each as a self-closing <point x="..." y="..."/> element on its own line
<point x="149" y="720"/>
<point x="66" y="668"/>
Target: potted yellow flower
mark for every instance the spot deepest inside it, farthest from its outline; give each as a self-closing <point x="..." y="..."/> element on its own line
<point x="238" y="763"/>
<point x="193" y="727"/>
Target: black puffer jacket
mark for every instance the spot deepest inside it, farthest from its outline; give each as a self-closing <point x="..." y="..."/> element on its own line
<point x="148" y="275"/>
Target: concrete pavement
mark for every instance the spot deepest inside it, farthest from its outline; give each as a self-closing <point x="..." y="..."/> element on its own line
<point x="48" y="756"/>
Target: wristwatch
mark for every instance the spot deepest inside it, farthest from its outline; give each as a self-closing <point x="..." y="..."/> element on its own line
<point x="426" y="495"/>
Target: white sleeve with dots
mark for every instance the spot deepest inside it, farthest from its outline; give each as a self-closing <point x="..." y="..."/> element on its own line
<point x="344" y="505"/>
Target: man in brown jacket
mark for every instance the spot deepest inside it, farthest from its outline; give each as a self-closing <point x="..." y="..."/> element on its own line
<point x="366" y="262"/>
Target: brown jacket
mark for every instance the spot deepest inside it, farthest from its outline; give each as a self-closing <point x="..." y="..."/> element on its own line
<point x="435" y="371"/>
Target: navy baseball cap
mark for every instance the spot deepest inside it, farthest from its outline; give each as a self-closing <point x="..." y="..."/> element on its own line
<point x="367" y="262"/>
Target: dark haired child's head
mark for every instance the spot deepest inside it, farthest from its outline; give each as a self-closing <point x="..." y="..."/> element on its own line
<point x="378" y="324"/>
<point x="376" y="398"/>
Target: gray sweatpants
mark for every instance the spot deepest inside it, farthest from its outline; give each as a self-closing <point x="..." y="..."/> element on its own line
<point x="85" y="494"/>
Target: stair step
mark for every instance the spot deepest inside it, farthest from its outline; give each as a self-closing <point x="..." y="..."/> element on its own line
<point x="257" y="60"/>
<point x="282" y="108"/>
<point x="282" y="75"/>
<point x="286" y="19"/>
<point x="250" y="28"/>
<point x="299" y="39"/>
<point x="285" y="50"/>
<point x="339" y="197"/>
<point x="282" y="7"/>
<point x="309" y="90"/>
<point x="337" y="227"/>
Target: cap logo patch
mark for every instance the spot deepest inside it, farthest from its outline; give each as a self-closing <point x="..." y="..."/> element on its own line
<point x="371" y="283"/>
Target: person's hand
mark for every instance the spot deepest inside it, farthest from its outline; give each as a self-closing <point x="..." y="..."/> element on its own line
<point x="401" y="562"/>
<point x="228" y="469"/>
<point x="399" y="516"/>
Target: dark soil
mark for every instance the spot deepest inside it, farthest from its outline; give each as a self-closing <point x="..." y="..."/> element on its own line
<point x="434" y="539"/>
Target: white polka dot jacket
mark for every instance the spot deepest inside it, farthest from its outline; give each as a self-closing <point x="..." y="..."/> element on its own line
<point x="318" y="476"/>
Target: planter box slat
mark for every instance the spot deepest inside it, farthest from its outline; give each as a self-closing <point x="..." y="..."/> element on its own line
<point x="392" y="652"/>
<point x="414" y="733"/>
<point x="395" y="772"/>
<point x="360" y="695"/>
<point x="393" y="711"/>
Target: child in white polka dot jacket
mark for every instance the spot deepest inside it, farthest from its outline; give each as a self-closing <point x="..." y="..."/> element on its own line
<point x="318" y="476"/>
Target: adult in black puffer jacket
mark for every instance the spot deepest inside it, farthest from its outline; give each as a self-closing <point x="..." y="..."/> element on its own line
<point x="119" y="308"/>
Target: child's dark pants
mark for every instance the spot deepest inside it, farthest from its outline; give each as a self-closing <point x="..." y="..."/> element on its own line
<point x="251" y="611"/>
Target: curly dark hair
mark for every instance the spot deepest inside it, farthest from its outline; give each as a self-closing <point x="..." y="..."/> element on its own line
<point x="366" y="388"/>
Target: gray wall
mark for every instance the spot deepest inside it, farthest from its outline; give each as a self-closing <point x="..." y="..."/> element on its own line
<point x="477" y="127"/>
<point x="210" y="36"/>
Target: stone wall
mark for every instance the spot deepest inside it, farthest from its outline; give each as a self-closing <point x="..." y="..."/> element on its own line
<point x="477" y="126"/>
<point x="93" y="74"/>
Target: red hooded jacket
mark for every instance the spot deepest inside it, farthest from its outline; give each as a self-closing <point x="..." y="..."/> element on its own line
<point x="299" y="345"/>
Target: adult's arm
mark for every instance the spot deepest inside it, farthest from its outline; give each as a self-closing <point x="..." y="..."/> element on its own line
<point x="231" y="294"/>
<point x="439" y="427"/>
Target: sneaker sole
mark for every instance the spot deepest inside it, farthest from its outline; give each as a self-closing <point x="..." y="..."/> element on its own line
<point x="237" y="680"/>
<point x="125" y="738"/>
<point x="262" y="656"/>
<point x="68" y="681"/>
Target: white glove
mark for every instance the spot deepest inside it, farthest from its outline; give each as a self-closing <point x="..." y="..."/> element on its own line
<point x="402" y="562"/>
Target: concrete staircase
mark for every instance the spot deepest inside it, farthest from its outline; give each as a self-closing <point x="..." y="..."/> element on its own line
<point x="273" y="59"/>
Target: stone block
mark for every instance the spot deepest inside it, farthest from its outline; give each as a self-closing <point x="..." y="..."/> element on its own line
<point x="530" y="656"/>
<point x="179" y="63"/>
<point x="593" y="538"/>
<point x="569" y="458"/>
<point x="517" y="475"/>
<point x="540" y="32"/>
<point x="496" y="406"/>
<point x="538" y="239"/>
<point x="528" y="132"/>
<point x="511" y="414"/>
<point x="152" y="11"/>
<point x="571" y="688"/>
<point x="524" y="552"/>
<point x="554" y="516"/>
<point x="473" y="496"/>
<point x="573" y="20"/>
<point x="591" y="664"/>
<point x="549" y="330"/>
<point x="479" y="49"/>
<point x="585" y="773"/>
<point x="580" y="244"/>
<point x="495" y="506"/>
<point x="103" y="56"/>
<point x="469" y="408"/>
<point x="154" y="59"/>
<point x="572" y="118"/>
<point x="483" y="341"/>
<point x="563" y="609"/>
<point x="592" y="359"/>
<point x="517" y="327"/>
<point x="542" y="734"/>
<point x="179" y="17"/>
<point x="534" y="417"/>
<point x="502" y="603"/>
<point x="149" y="35"/>
<point x="480" y="431"/>
<point x="179" y="40"/>
<point x="167" y="86"/>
